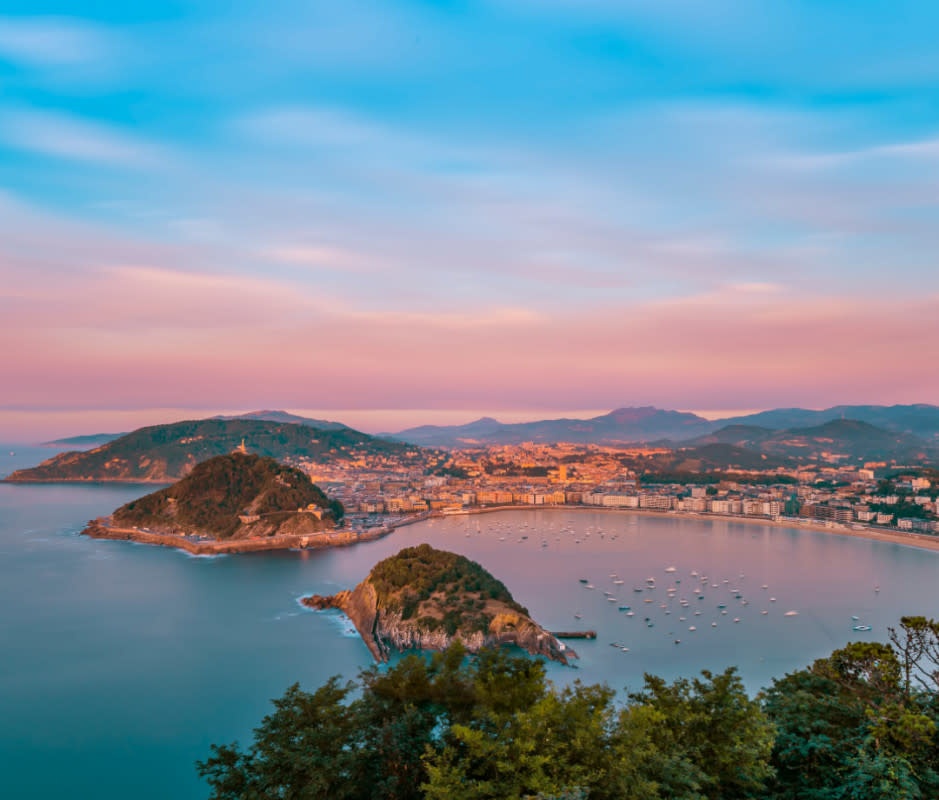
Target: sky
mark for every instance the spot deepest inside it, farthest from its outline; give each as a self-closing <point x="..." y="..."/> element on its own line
<point x="516" y="205"/>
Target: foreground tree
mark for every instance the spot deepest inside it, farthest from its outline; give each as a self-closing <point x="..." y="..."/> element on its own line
<point x="493" y="727"/>
<point x="853" y="726"/>
<point x="858" y="725"/>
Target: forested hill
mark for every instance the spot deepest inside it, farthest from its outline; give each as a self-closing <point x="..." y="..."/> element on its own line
<point x="164" y="453"/>
<point x="424" y="599"/>
<point x="213" y="497"/>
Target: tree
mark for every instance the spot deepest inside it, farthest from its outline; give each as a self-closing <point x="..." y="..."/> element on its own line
<point x="849" y="727"/>
<point x="302" y="750"/>
<point x="717" y="729"/>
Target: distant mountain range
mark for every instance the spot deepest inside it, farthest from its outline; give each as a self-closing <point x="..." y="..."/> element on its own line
<point x="653" y="425"/>
<point x="848" y="438"/>
<point x="84" y="442"/>
<point x="903" y="434"/>
<point x="623" y="425"/>
<point x="164" y="453"/>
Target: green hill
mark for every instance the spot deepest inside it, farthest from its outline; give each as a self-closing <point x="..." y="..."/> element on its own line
<point x="220" y="494"/>
<point x="852" y="438"/>
<point x="164" y="453"/>
<point x="424" y="599"/>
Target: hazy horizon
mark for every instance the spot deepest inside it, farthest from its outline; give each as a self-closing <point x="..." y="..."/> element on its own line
<point x="26" y="427"/>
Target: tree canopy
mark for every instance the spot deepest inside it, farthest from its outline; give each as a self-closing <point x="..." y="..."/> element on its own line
<point x="858" y="725"/>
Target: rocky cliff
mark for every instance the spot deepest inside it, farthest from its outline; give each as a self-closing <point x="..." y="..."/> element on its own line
<point x="423" y="599"/>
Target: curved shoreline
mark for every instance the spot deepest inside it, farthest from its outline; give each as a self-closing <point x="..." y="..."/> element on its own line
<point x="920" y="540"/>
<point x="100" y="529"/>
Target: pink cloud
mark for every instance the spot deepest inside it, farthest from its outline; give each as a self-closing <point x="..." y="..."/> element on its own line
<point x="233" y="342"/>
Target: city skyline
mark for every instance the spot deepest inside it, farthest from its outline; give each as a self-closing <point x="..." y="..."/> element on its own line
<point x="438" y="206"/>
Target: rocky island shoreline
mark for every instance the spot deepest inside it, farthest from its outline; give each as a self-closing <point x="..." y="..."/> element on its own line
<point x="425" y="599"/>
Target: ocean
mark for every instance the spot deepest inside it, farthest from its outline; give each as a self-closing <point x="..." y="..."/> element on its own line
<point x="121" y="663"/>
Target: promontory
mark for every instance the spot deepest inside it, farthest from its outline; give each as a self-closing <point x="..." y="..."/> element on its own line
<point x="165" y="453"/>
<point x="229" y="499"/>
<point x="424" y="599"/>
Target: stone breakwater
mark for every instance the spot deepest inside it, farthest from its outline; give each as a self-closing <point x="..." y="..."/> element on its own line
<point x="385" y="632"/>
<point x="103" y="528"/>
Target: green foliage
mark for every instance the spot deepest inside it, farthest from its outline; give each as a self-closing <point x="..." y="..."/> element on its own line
<point x="724" y="735"/>
<point x="213" y="495"/>
<point x="858" y="725"/>
<point x="493" y="727"/>
<point x="458" y="587"/>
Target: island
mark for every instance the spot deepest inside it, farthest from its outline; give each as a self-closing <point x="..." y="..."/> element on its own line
<point x="424" y="599"/>
<point x="231" y="503"/>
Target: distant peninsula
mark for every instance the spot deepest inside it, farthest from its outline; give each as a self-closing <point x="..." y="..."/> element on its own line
<point x="231" y="498"/>
<point x="424" y="599"/>
<point x="165" y="453"/>
<point x="85" y="442"/>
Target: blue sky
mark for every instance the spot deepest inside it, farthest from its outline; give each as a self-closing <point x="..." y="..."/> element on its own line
<point x="460" y="178"/>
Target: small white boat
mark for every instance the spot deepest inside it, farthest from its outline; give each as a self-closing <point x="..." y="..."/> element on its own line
<point x="692" y="628"/>
<point x="736" y="619"/>
<point x="713" y="624"/>
<point x="862" y="627"/>
<point x="772" y="599"/>
<point x="671" y="569"/>
<point x="791" y="614"/>
<point x="764" y="613"/>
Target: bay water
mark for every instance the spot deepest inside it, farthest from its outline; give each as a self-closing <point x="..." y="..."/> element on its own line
<point x="120" y="663"/>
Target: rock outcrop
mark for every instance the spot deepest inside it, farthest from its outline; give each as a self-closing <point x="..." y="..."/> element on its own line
<point x="451" y="598"/>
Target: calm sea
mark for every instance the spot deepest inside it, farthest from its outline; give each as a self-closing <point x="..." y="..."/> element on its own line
<point x="121" y="663"/>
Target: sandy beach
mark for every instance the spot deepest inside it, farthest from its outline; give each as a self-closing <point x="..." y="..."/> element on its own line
<point x="923" y="541"/>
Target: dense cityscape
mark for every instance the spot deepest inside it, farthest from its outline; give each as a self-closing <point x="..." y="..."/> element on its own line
<point x="381" y="490"/>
